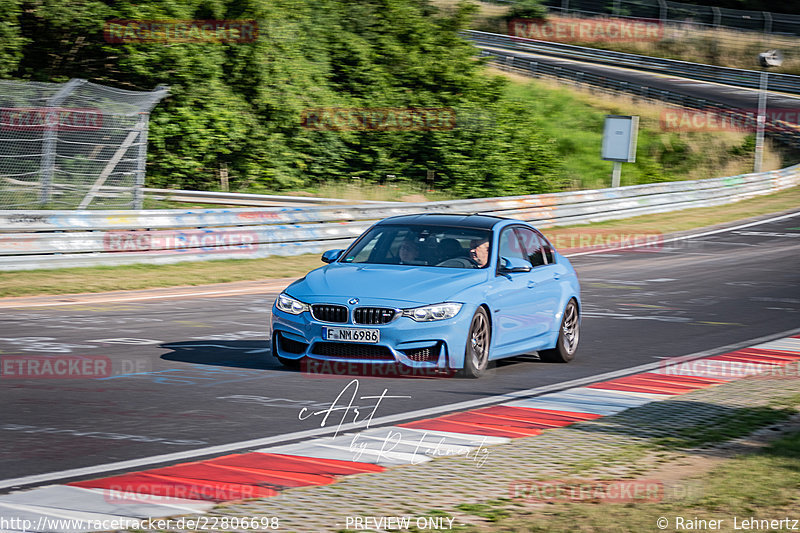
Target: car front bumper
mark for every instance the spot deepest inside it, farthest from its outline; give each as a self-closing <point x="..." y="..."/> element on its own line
<point x="435" y="344"/>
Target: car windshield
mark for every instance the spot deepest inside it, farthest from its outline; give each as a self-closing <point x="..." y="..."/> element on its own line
<point x="422" y="245"/>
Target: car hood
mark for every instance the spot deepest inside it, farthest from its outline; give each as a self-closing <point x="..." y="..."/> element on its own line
<point x="373" y="283"/>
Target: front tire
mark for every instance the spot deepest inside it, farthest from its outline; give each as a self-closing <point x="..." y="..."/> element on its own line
<point x="476" y="354"/>
<point x="568" y="336"/>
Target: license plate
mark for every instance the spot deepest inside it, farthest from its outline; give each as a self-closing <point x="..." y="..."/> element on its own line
<point x="351" y="334"/>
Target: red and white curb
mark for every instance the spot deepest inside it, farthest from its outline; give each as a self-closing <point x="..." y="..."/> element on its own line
<point x="197" y="486"/>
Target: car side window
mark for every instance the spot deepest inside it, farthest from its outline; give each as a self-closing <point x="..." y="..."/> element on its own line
<point x="509" y="245"/>
<point x="533" y="246"/>
<point x="547" y="248"/>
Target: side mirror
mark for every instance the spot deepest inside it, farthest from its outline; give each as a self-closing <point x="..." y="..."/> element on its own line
<point x="514" y="264"/>
<point x="331" y="255"/>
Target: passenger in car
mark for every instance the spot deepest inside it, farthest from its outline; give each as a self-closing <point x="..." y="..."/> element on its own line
<point x="450" y="248"/>
<point x="408" y="252"/>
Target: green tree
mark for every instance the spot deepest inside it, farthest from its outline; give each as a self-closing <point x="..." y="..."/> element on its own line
<point x="528" y="9"/>
<point x="11" y="40"/>
<point x="238" y="106"/>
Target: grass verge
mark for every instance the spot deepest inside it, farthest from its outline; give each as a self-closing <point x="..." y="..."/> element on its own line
<point x="101" y="279"/>
<point x="573" y="119"/>
<point x="757" y="478"/>
<point x="761" y="486"/>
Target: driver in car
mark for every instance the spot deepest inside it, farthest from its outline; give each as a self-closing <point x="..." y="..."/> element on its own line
<point x="479" y="251"/>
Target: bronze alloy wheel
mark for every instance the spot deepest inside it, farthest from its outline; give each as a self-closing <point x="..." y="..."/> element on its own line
<point x="568" y="336"/>
<point x="476" y="356"/>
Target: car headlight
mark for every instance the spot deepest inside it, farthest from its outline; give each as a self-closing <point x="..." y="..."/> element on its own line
<point x="429" y="313"/>
<point x="290" y="305"/>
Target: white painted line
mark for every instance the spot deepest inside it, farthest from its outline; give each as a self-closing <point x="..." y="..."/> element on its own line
<point x="695" y="235"/>
<point x="568" y="406"/>
<point x="590" y="401"/>
<point x="384" y="420"/>
<point x="179" y="504"/>
<point x="61" y="513"/>
<point x="788" y="344"/>
<point x="645" y="395"/>
<point x="228" y="292"/>
<point x="78" y="499"/>
<point x="600" y="395"/>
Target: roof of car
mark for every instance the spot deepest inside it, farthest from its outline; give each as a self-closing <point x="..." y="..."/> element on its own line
<point x="446" y="219"/>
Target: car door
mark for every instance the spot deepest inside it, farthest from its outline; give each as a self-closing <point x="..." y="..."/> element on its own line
<point x="511" y="298"/>
<point x="544" y="289"/>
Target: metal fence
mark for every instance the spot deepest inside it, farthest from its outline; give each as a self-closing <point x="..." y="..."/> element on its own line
<point x="73" y="145"/>
<point x="56" y="239"/>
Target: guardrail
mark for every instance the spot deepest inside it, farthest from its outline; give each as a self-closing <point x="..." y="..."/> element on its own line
<point x="193" y="197"/>
<point x="780" y="130"/>
<point x="673" y="67"/>
<point x="237" y="198"/>
<point x="58" y="239"/>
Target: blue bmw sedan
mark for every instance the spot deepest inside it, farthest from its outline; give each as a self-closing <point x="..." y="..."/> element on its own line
<point x="434" y="291"/>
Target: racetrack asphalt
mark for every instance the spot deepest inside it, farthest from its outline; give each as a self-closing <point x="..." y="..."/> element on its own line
<point x="188" y="373"/>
